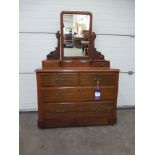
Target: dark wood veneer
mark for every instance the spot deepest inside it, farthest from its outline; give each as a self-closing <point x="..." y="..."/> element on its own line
<point x="69" y="94"/>
<point x="72" y="101"/>
<point x="59" y="79"/>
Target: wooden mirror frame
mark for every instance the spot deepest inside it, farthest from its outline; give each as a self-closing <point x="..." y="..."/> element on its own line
<point x="62" y="38"/>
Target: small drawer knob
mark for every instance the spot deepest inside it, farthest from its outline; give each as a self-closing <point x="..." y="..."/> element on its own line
<point x="57" y="110"/>
<point x="98" y="79"/>
<point x="95" y="79"/>
<point x="60" y="79"/>
<point x="62" y="110"/>
<point x="59" y="94"/>
<point x="96" y="110"/>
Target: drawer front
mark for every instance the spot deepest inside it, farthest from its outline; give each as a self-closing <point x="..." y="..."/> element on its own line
<point x="60" y="94"/>
<point x="90" y="79"/>
<point x="58" y="110"/>
<point x="74" y="110"/>
<point x="95" y="109"/>
<point x="88" y="93"/>
<point x="69" y="94"/>
<point x="59" y="79"/>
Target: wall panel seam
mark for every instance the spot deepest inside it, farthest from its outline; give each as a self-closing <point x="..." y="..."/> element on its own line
<point x="124" y="35"/>
<point x="34" y="72"/>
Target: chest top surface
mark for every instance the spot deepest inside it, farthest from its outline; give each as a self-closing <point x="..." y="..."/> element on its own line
<point x="78" y="69"/>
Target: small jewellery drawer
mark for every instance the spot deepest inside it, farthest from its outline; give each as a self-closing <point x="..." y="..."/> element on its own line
<point x="90" y="79"/>
<point x="59" y="79"/>
<point x="69" y="94"/>
<point x="59" y="110"/>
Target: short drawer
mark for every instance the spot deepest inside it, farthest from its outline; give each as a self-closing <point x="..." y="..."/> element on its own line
<point x="59" y="110"/>
<point x="90" y="79"/>
<point x="59" y="79"/>
<point x="69" y="94"/>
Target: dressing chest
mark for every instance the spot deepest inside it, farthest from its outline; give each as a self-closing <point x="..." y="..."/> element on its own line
<point x="67" y="85"/>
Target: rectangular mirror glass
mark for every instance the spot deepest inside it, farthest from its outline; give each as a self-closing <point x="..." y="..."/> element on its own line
<point x="76" y="34"/>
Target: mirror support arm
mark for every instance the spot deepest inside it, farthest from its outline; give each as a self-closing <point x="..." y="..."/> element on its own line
<point x="55" y="55"/>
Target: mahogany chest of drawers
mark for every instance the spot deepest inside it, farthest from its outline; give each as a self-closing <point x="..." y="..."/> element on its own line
<point x="66" y="96"/>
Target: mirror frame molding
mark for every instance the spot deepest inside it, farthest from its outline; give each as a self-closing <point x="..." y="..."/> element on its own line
<point x="62" y="38"/>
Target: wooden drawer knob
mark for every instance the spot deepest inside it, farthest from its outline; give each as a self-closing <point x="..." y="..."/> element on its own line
<point x="60" y="110"/>
<point x="60" y="79"/>
<point x="96" y="110"/>
<point x="98" y="79"/>
<point x="59" y="94"/>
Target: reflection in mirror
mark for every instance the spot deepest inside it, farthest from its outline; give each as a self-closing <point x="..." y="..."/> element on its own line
<point x="76" y="34"/>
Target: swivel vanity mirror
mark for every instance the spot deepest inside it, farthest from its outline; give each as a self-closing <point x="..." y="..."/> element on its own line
<point x="75" y="45"/>
<point x="76" y="30"/>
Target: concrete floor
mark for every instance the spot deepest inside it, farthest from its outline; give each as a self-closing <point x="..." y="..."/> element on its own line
<point x="94" y="140"/>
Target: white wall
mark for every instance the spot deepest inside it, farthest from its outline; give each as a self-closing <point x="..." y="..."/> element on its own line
<point x="109" y="17"/>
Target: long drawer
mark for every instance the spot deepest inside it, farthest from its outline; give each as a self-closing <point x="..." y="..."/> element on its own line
<point x="74" y="110"/>
<point x="69" y="94"/>
<point x="59" y="79"/>
<point x="90" y="79"/>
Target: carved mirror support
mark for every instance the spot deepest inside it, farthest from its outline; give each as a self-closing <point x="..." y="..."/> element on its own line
<point x="55" y="55"/>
